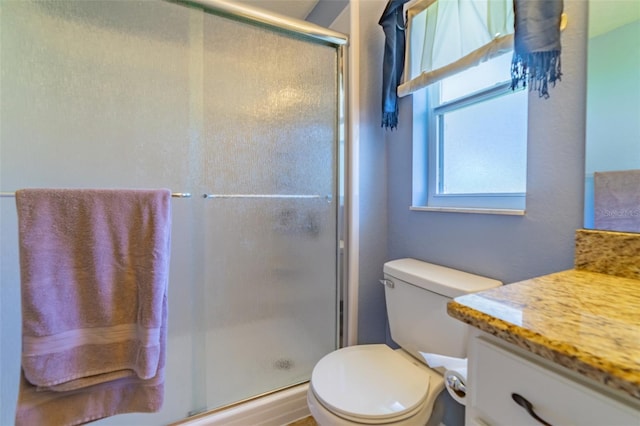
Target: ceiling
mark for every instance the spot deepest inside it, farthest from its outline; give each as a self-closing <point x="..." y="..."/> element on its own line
<point x="294" y="8"/>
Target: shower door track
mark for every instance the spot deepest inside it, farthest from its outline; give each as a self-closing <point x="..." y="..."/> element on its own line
<point x="302" y="28"/>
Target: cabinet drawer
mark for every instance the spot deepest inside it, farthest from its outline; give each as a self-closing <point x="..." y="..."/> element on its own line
<point x="498" y="373"/>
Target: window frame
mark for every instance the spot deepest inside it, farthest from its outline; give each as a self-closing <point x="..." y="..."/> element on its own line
<point x="426" y="180"/>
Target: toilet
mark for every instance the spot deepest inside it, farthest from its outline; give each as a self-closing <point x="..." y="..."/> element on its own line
<point x="374" y="384"/>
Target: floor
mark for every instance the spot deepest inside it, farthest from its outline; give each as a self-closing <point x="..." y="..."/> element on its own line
<point x="307" y="421"/>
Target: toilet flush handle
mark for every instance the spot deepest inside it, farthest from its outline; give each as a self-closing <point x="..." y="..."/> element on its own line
<point x="387" y="283"/>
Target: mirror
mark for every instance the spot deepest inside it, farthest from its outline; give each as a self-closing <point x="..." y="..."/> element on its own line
<point x="613" y="105"/>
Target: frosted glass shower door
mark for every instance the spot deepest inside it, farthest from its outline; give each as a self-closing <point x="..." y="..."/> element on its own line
<point x="150" y="94"/>
<point x="96" y="94"/>
<point x="270" y="132"/>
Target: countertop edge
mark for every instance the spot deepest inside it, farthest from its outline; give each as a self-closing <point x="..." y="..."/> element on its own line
<point x="597" y="369"/>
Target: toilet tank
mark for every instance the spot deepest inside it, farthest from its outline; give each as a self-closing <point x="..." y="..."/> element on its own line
<point x="416" y="294"/>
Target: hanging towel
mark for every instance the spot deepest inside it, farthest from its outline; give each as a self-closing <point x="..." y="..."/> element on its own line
<point x="392" y="22"/>
<point x="617" y="200"/>
<point x="83" y="405"/>
<point x="94" y="271"/>
<point x="536" y="55"/>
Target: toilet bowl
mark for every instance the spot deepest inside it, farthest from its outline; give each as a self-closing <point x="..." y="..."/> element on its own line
<point x="376" y="385"/>
<point x="373" y="384"/>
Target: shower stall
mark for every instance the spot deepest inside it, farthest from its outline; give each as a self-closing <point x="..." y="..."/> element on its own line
<point x="238" y="112"/>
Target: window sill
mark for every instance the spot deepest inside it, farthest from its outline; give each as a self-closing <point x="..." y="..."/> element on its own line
<point x="509" y="212"/>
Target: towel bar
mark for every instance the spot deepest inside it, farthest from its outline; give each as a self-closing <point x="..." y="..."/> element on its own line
<point x="173" y="194"/>
<point x="327" y="197"/>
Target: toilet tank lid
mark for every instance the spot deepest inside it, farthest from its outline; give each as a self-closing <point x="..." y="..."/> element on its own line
<point x="438" y="279"/>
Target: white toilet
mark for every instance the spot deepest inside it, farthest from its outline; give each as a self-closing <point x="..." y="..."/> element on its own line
<point x="374" y="384"/>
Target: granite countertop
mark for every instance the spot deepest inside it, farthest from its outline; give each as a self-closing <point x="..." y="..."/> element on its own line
<point x="588" y="322"/>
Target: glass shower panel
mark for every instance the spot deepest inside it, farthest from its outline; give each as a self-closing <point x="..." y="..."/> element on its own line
<point x="97" y="94"/>
<point x="153" y="94"/>
<point x="270" y="133"/>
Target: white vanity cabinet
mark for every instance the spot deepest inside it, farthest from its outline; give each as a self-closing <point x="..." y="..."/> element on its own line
<point x="499" y="370"/>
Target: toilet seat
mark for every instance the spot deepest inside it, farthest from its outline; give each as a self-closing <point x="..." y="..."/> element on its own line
<point x="370" y="384"/>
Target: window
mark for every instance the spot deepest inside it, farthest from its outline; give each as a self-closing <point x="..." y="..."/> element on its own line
<point x="469" y="127"/>
<point x="474" y="153"/>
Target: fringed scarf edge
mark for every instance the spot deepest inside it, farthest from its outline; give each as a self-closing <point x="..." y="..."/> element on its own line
<point x="537" y="69"/>
<point x="390" y="120"/>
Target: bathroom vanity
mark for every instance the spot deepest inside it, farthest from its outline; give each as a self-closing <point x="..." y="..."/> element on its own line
<point x="564" y="347"/>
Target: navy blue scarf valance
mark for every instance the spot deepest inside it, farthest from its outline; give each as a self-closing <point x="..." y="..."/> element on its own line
<point x="536" y="57"/>
<point x="392" y="22"/>
<point x="536" y="49"/>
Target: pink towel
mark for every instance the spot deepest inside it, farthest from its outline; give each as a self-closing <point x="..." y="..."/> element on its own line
<point x="94" y="271"/>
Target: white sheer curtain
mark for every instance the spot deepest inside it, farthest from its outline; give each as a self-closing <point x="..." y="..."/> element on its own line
<point x="448" y="36"/>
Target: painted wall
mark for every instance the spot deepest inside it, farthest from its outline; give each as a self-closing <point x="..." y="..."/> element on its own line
<point x="326" y="13"/>
<point x="504" y="247"/>
<point x="507" y="248"/>
<point x="373" y="217"/>
<point x="613" y="106"/>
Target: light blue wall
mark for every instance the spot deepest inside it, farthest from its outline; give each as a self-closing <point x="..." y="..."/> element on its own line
<point x="507" y="248"/>
<point x="613" y="105"/>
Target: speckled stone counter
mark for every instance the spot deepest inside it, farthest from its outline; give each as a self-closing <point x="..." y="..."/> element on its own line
<point x="586" y="321"/>
<point x="613" y="253"/>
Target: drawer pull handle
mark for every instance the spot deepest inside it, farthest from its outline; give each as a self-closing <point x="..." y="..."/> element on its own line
<point x="522" y="401"/>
